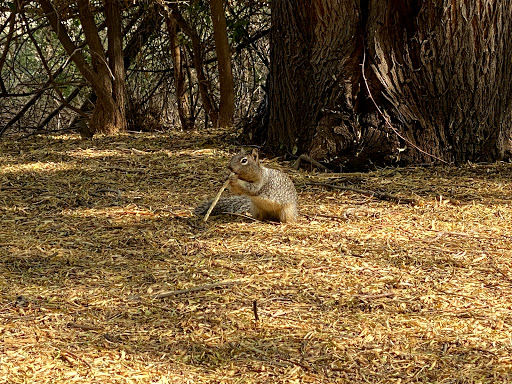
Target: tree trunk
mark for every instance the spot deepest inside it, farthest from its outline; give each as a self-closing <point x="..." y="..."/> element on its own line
<point x="203" y="83"/>
<point x="106" y="79"/>
<point x="151" y="22"/>
<point x="184" y="108"/>
<point x="227" y="91"/>
<point x="7" y="44"/>
<point x="116" y="62"/>
<point x="446" y="70"/>
<point x="440" y="74"/>
<point x="315" y="83"/>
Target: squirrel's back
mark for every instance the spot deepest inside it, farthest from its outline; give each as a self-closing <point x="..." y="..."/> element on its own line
<point x="277" y="197"/>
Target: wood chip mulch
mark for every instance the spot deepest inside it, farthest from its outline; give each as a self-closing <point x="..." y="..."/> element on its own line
<point x="107" y="277"/>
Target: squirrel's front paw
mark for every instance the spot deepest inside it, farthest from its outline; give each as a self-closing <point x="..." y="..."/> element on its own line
<point x="234" y="182"/>
<point x="233" y="177"/>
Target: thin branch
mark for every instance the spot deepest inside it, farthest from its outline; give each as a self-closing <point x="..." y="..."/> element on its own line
<point x="378" y="195"/>
<point x="388" y="123"/>
<point x="51" y="79"/>
<point x="255" y="310"/>
<point x="305" y="157"/>
<point x="206" y="287"/>
<point x="214" y="202"/>
<point x="71" y="49"/>
<point x="203" y="83"/>
<point x="12" y="19"/>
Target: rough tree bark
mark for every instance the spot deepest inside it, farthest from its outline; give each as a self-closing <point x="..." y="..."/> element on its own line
<point x="446" y="69"/>
<point x="439" y="71"/>
<point x="316" y="82"/>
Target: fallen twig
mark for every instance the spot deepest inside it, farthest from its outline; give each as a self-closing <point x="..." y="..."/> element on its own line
<point x="494" y="265"/>
<point x="127" y="170"/>
<point x="378" y="195"/>
<point x="244" y="216"/>
<point x="84" y="327"/>
<point x="106" y="190"/>
<point x="305" y="157"/>
<point x="313" y="217"/>
<point x="66" y="355"/>
<point x="282" y="358"/>
<point x="206" y="287"/>
<point x="375" y="296"/>
<point x="255" y="310"/>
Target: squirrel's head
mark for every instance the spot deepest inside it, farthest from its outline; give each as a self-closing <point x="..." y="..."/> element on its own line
<point x="245" y="165"/>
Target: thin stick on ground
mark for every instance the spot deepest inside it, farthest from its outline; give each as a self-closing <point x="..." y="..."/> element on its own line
<point x="498" y="269"/>
<point x="305" y="157"/>
<point x="379" y="195"/>
<point x="375" y="296"/>
<point x="255" y="310"/>
<point x="206" y="287"/>
<point x="214" y="202"/>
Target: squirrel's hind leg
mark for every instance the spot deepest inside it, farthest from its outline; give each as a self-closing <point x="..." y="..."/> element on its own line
<point x="288" y="213"/>
<point x="257" y="213"/>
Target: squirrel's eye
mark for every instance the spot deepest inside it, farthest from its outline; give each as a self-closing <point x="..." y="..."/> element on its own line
<point x="244" y="160"/>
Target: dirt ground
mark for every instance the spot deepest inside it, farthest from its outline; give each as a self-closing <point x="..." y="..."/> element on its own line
<point x="360" y="290"/>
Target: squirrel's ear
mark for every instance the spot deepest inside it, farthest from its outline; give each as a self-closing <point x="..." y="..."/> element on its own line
<point x="255" y="154"/>
<point x="242" y="151"/>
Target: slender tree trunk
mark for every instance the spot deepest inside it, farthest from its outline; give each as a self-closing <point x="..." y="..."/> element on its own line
<point x="223" y="114"/>
<point x="203" y="84"/>
<point x="116" y="61"/>
<point x="7" y="44"/>
<point x="227" y="91"/>
<point x="148" y="26"/>
<point x="184" y="108"/>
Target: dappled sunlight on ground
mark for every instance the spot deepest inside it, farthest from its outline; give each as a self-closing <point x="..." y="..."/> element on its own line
<point x="360" y="289"/>
<point x="38" y="166"/>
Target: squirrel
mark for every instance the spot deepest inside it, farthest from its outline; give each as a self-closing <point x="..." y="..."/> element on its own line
<point x="267" y="193"/>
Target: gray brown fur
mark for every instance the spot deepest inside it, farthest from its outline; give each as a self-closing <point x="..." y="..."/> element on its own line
<point x="270" y="193"/>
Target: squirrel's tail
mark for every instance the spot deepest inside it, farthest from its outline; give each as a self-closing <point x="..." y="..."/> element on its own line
<point x="231" y="204"/>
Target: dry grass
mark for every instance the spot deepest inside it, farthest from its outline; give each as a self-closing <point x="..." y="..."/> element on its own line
<point x="359" y="291"/>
